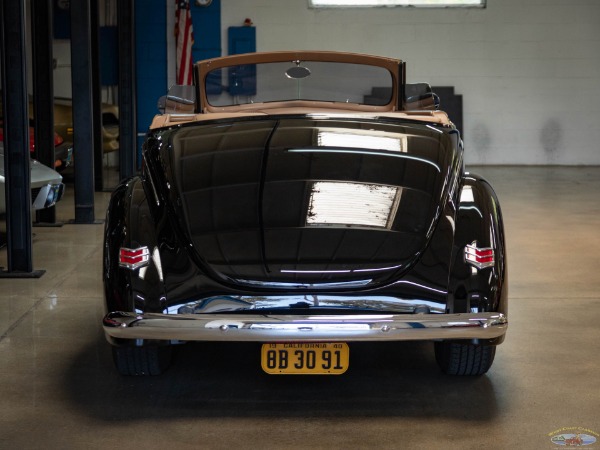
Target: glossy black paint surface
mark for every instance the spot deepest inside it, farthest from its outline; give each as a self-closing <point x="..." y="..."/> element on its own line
<point x="231" y="209"/>
<point x="246" y="192"/>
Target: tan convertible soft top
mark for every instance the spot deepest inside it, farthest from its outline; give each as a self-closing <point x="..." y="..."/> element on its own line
<point x="167" y="120"/>
<point x="395" y="108"/>
<point x="395" y="67"/>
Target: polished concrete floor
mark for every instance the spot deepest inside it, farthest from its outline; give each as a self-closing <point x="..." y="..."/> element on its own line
<point x="58" y="389"/>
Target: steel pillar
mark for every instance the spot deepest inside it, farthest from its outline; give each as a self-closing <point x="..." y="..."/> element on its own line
<point x="83" y="116"/>
<point x="16" y="141"/>
<point x="127" y="95"/>
<point x="43" y="93"/>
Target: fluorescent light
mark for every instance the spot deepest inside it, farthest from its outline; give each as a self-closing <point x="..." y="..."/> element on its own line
<point x="375" y="3"/>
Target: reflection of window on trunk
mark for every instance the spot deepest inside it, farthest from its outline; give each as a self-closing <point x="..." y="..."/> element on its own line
<point x="352" y="204"/>
<point x="375" y="3"/>
<point x="367" y="139"/>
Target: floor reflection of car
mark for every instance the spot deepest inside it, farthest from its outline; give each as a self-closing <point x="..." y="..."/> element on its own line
<point x="46" y="185"/>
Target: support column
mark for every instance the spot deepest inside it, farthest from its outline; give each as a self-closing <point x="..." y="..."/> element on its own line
<point x="43" y="93"/>
<point x="127" y="89"/>
<point x="16" y="141"/>
<point x="96" y="95"/>
<point x="81" y="80"/>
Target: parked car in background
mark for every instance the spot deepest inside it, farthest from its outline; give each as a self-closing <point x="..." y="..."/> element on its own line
<point x="46" y="185"/>
<point x="63" y="123"/>
<point x="288" y="205"/>
<point x="63" y="127"/>
<point x="63" y="150"/>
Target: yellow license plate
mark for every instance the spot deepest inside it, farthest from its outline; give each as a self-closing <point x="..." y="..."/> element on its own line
<point x="305" y="358"/>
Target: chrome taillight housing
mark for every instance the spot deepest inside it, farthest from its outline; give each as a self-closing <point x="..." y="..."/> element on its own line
<point x="479" y="257"/>
<point x="133" y="258"/>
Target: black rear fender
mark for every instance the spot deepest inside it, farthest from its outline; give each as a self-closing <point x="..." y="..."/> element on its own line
<point x="129" y="224"/>
<point x="478" y="223"/>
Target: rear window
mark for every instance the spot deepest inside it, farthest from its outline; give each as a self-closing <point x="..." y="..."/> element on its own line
<point x="299" y="80"/>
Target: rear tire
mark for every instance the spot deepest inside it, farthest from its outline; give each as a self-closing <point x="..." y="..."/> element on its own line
<point x="464" y="359"/>
<point x="142" y="361"/>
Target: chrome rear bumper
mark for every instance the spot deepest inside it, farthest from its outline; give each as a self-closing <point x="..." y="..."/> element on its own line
<point x="282" y="328"/>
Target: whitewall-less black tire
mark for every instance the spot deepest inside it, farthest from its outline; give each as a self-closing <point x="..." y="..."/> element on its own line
<point x="142" y="361"/>
<point x="464" y="359"/>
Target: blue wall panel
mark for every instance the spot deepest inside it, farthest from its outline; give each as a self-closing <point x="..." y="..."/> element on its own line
<point x="206" y="21"/>
<point x="151" y="61"/>
<point x="151" y="51"/>
<point x="241" y="40"/>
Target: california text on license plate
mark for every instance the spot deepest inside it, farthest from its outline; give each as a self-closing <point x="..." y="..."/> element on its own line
<point x="302" y="358"/>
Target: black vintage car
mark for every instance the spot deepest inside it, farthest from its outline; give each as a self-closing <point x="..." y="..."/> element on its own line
<point x="304" y="200"/>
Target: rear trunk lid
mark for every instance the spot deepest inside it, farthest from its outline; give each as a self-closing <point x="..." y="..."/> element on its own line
<point x="311" y="203"/>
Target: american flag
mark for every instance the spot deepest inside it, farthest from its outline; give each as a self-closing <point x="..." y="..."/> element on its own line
<point x="185" y="39"/>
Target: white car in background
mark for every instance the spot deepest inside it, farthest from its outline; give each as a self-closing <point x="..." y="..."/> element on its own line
<point x="47" y="187"/>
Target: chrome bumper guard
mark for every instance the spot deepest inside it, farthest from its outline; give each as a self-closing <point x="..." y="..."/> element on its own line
<point x="282" y="328"/>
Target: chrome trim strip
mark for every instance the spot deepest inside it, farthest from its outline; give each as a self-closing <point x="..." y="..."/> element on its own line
<point x="299" y="284"/>
<point x="286" y="328"/>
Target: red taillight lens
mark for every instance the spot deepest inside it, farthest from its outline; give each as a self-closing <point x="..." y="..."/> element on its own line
<point x="479" y="257"/>
<point x="132" y="258"/>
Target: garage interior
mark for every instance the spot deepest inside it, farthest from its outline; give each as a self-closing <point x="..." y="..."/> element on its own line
<point x="528" y="74"/>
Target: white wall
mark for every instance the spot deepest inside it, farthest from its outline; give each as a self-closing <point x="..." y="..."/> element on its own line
<point x="61" y="52"/>
<point x="528" y="70"/>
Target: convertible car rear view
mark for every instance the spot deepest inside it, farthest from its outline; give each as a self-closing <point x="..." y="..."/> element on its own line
<point x="304" y="201"/>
